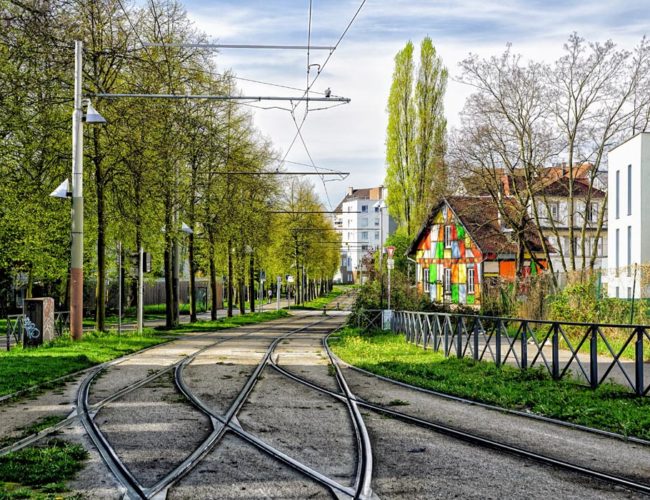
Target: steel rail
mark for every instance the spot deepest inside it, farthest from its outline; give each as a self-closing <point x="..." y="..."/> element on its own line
<point x="32" y="438"/>
<point x="119" y="470"/>
<point x="364" y="474"/>
<point x="225" y="422"/>
<point x="531" y="416"/>
<point x="475" y="439"/>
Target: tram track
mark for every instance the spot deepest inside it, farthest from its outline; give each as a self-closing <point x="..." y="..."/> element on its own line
<point x="220" y="425"/>
<point x="465" y="436"/>
<point x="361" y="488"/>
<point x="95" y="371"/>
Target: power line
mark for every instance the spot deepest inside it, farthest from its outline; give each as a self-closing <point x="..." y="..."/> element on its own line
<point x="220" y="97"/>
<point x="237" y="46"/>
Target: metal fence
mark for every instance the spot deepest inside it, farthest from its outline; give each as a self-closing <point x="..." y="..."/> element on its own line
<point x="591" y="353"/>
<point x="16" y="327"/>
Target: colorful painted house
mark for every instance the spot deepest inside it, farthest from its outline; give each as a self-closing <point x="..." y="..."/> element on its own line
<point x="464" y="243"/>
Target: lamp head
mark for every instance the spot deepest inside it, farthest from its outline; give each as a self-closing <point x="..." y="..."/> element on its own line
<point x="92" y="116"/>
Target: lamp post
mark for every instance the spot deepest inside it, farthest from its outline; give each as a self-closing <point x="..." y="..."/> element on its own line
<point x="381" y="205"/>
<point x="77" y="250"/>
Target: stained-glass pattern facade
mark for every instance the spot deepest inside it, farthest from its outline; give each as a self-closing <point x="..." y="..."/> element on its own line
<point x="457" y="253"/>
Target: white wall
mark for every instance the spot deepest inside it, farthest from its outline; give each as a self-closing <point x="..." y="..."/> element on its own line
<point x="634" y="152"/>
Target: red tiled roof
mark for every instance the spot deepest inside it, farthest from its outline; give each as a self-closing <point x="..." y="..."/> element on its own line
<point x="480" y="216"/>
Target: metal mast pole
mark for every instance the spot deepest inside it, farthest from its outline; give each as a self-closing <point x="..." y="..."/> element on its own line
<point x="76" y="257"/>
<point x="140" y="289"/>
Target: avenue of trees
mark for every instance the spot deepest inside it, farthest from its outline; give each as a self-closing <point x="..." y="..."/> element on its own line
<point x="154" y="165"/>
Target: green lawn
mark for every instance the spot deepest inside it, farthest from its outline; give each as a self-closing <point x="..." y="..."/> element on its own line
<point x="326" y="300"/>
<point x="22" y="368"/>
<point x="239" y="320"/>
<point x="609" y="407"/>
<point x="40" y="472"/>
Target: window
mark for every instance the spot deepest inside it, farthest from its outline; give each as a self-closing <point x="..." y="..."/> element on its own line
<point x="349" y="236"/>
<point x="364" y="235"/>
<point x="600" y="247"/>
<point x="364" y="248"/>
<point x="470" y="280"/>
<point x="447" y="281"/>
<point x="592" y="213"/>
<point x="344" y="261"/>
<point x="377" y="222"/>
<point x="616" y="255"/>
<point x="363" y="222"/>
<point x="629" y="250"/>
<point x="629" y="190"/>
<point x="425" y="279"/>
<point x="376" y="210"/>
<point x="447" y="236"/>
<point x="554" y="210"/>
<point x="617" y="193"/>
<point x="364" y="209"/>
<point x="629" y="292"/>
<point x="617" y="293"/>
<point x="376" y="235"/>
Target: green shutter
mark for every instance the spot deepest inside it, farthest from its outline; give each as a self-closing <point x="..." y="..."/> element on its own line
<point x="433" y="273"/>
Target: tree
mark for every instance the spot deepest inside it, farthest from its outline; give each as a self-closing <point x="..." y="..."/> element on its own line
<point x="415" y="139"/>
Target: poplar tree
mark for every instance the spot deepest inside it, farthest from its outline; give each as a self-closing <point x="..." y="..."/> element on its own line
<point x="415" y="139"/>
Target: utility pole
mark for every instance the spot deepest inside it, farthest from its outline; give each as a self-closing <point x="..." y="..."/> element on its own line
<point x="77" y="251"/>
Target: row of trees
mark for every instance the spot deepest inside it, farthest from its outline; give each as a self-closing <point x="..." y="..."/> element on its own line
<point x="527" y="115"/>
<point x="153" y="166"/>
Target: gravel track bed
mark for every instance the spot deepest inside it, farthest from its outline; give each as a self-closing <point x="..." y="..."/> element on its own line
<point x="304" y="356"/>
<point x="414" y="463"/>
<point x="218" y="374"/>
<point x="140" y="366"/>
<point x="33" y="407"/>
<point x="237" y="470"/>
<point x="310" y="427"/>
<point x="153" y="429"/>
<point x="95" y="480"/>
<point x="594" y="451"/>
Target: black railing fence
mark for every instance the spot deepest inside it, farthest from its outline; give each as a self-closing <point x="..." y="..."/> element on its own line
<point x="591" y="353"/>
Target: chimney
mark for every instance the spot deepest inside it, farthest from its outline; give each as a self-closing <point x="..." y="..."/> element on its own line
<point x="350" y="191"/>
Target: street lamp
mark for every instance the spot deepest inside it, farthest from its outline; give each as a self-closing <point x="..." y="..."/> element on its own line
<point x="381" y="205"/>
<point x="76" y="254"/>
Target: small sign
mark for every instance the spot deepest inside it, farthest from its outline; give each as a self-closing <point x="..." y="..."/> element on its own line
<point x="386" y="319"/>
<point x="262" y="275"/>
<point x="289" y="278"/>
<point x="390" y="251"/>
<point x="390" y="263"/>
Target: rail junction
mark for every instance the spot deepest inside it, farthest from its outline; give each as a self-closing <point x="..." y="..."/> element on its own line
<point x="268" y="411"/>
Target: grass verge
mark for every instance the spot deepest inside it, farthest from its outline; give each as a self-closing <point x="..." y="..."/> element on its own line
<point x="23" y="368"/>
<point x="223" y="323"/>
<point x="40" y="472"/>
<point x="318" y="303"/>
<point x="610" y="407"/>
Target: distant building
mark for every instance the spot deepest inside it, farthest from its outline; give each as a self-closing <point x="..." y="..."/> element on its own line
<point x="553" y="191"/>
<point x="629" y="216"/>
<point x="463" y="245"/>
<point x="364" y="227"/>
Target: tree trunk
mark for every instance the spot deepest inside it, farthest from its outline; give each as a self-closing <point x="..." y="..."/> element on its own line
<point x="230" y="278"/>
<point x="175" y="283"/>
<point x="213" y="287"/>
<point x="251" y="284"/>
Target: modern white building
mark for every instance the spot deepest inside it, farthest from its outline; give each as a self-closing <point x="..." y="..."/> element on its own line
<point x="363" y="222"/>
<point x="629" y="217"/>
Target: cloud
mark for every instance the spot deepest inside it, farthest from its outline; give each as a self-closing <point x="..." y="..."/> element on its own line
<point x="351" y="137"/>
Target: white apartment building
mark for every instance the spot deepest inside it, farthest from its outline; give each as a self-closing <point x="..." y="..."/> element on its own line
<point x="363" y="222"/>
<point x="629" y="216"/>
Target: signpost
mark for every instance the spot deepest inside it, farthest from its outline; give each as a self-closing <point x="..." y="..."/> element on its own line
<point x="279" y="284"/>
<point x="387" y="315"/>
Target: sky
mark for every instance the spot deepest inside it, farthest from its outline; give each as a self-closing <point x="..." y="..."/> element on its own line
<point x="351" y="137"/>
